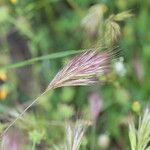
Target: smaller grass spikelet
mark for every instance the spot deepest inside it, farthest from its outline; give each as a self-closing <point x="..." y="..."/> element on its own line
<point x="140" y="138"/>
<point x="74" y="135"/>
<point x="113" y="30"/>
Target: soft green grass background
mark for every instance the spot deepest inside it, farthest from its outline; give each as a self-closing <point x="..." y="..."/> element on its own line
<point x="53" y="31"/>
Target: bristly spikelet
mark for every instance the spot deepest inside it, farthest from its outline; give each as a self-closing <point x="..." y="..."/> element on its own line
<point x="74" y="135"/>
<point x="112" y="26"/>
<point x="84" y="69"/>
<point x="140" y="138"/>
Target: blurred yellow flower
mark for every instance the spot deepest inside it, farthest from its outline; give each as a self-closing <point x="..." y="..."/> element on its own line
<point x="3" y="93"/>
<point x="136" y="106"/>
<point x="3" y="76"/>
<point x="104" y="8"/>
<point x="13" y="1"/>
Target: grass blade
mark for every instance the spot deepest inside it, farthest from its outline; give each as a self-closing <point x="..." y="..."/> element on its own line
<point x="36" y="59"/>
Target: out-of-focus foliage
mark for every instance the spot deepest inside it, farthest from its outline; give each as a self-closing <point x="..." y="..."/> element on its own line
<point x="34" y="28"/>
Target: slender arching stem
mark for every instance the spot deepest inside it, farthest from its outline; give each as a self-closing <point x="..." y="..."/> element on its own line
<point x="22" y="113"/>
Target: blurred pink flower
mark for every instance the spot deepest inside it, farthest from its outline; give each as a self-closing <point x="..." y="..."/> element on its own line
<point x="138" y="68"/>
<point x="96" y="105"/>
<point x="11" y="141"/>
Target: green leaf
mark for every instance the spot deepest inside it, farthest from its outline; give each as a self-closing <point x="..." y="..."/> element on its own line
<point x="65" y="111"/>
<point x="4" y="14"/>
<point x="122" y="96"/>
<point x="33" y="60"/>
<point x="132" y="136"/>
<point x="67" y="94"/>
<point x="36" y="136"/>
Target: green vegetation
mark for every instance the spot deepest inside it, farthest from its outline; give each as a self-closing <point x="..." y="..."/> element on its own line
<point x="38" y="38"/>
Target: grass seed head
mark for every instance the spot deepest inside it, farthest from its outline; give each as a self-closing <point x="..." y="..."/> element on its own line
<point x="84" y="69"/>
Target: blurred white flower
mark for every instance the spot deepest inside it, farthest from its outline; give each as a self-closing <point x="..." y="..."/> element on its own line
<point x="119" y="67"/>
<point x="104" y="141"/>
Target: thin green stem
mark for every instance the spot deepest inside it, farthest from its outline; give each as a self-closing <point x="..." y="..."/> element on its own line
<point x="75" y="6"/>
<point x="93" y="140"/>
<point x="33" y="145"/>
<point x="22" y="113"/>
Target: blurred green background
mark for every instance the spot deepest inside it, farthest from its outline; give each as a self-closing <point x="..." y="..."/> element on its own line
<point x="57" y="30"/>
